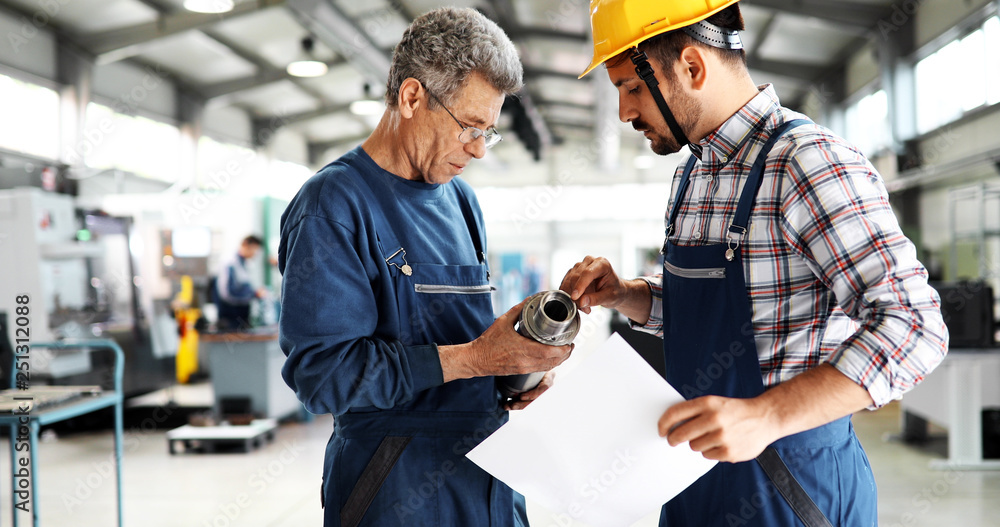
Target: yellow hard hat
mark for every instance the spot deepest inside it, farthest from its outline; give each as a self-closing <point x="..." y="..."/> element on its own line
<point x="622" y="24"/>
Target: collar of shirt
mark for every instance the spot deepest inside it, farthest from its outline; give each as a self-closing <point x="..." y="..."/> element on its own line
<point x="722" y="145"/>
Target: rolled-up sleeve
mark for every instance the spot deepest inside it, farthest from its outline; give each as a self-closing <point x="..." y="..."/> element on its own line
<point x="837" y="217"/>
<point x="654" y="325"/>
<point x="337" y="358"/>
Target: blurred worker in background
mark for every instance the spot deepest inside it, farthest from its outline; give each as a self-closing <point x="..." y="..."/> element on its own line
<point x="386" y="316"/>
<point x="233" y="289"/>
<point x="789" y="297"/>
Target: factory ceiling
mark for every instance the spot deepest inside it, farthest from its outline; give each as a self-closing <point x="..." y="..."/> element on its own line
<point x="239" y="58"/>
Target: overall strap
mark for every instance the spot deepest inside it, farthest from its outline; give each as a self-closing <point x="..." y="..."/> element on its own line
<point x="478" y="240"/>
<point x="742" y="217"/>
<point x="371" y="480"/>
<point x="790" y="488"/>
<point x="685" y="180"/>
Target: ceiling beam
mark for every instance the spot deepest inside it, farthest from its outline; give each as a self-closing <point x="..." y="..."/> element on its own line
<point x="322" y="111"/>
<point x="341" y="33"/>
<point x="856" y="16"/>
<point x="403" y="11"/>
<point x="219" y="92"/>
<point x="533" y="73"/>
<point x="266" y="72"/>
<point x="792" y="70"/>
<point x="506" y="17"/>
<point x="547" y="32"/>
<point x="753" y="54"/>
<point x="263" y="66"/>
<point x="118" y="44"/>
<point x="581" y="125"/>
<point x="565" y="104"/>
<point x="158" y="5"/>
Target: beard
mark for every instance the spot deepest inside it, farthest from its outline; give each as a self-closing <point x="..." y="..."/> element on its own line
<point x="687" y="111"/>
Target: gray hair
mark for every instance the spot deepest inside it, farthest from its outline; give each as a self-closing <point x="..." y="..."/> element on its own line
<point x="441" y="48"/>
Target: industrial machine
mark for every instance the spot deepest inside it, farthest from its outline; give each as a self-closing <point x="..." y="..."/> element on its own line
<point x="79" y="269"/>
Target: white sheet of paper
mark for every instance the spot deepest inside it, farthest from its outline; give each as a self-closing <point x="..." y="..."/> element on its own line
<point x="588" y="448"/>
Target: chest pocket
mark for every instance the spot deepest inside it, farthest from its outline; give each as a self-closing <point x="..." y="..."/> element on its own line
<point x="449" y="304"/>
<point x="439" y="303"/>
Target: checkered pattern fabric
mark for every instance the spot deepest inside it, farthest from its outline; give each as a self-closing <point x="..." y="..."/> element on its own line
<point x="829" y="273"/>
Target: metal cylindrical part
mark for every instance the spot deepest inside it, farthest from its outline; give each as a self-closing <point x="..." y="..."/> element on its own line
<point x="549" y="317"/>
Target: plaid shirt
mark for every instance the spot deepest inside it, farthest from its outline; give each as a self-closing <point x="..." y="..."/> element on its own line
<point x="829" y="273"/>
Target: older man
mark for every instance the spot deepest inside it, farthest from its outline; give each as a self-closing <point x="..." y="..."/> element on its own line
<point x="386" y="314"/>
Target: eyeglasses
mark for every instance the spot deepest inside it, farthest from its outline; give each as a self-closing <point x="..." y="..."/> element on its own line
<point x="471" y="133"/>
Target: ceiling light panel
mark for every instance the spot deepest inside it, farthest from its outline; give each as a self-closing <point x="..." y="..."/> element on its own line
<point x="198" y="57"/>
<point x="273" y="34"/>
<point x="209" y="6"/>
<point x="277" y="99"/>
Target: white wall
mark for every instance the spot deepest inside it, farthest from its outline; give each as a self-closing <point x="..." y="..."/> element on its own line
<point x="934" y="17"/>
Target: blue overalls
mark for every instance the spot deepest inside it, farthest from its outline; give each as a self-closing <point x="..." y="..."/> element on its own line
<point x="710" y="350"/>
<point x="406" y="466"/>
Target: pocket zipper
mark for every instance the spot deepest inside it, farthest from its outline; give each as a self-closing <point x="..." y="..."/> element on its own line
<point x="453" y="289"/>
<point x="711" y="272"/>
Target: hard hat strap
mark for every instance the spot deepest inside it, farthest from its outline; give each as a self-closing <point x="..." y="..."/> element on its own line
<point x="646" y="73"/>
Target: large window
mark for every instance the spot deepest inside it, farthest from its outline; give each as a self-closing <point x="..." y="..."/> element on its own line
<point x="236" y="170"/>
<point x="134" y="144"/>
<point x="961" y="76"/>
<point x="228" y="168"/>
<point x="867" y="123"/>
<point x="285" y="178"/>
<point x="30" y="118"/>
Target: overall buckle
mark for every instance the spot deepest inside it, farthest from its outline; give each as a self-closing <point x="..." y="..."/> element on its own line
<point x="734" y="242"/>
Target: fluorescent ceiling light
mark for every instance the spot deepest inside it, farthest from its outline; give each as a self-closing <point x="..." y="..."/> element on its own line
<point x="307" y="65"/>
<point x="367" y="107"/>
<point x="307" y="68"/>
<point x="209" y="6"/>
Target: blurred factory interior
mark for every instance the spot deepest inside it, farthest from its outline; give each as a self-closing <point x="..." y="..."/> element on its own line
<point x="141" y="141"/>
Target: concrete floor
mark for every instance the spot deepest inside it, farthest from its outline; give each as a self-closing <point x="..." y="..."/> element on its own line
<point x="277" y="485"/>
